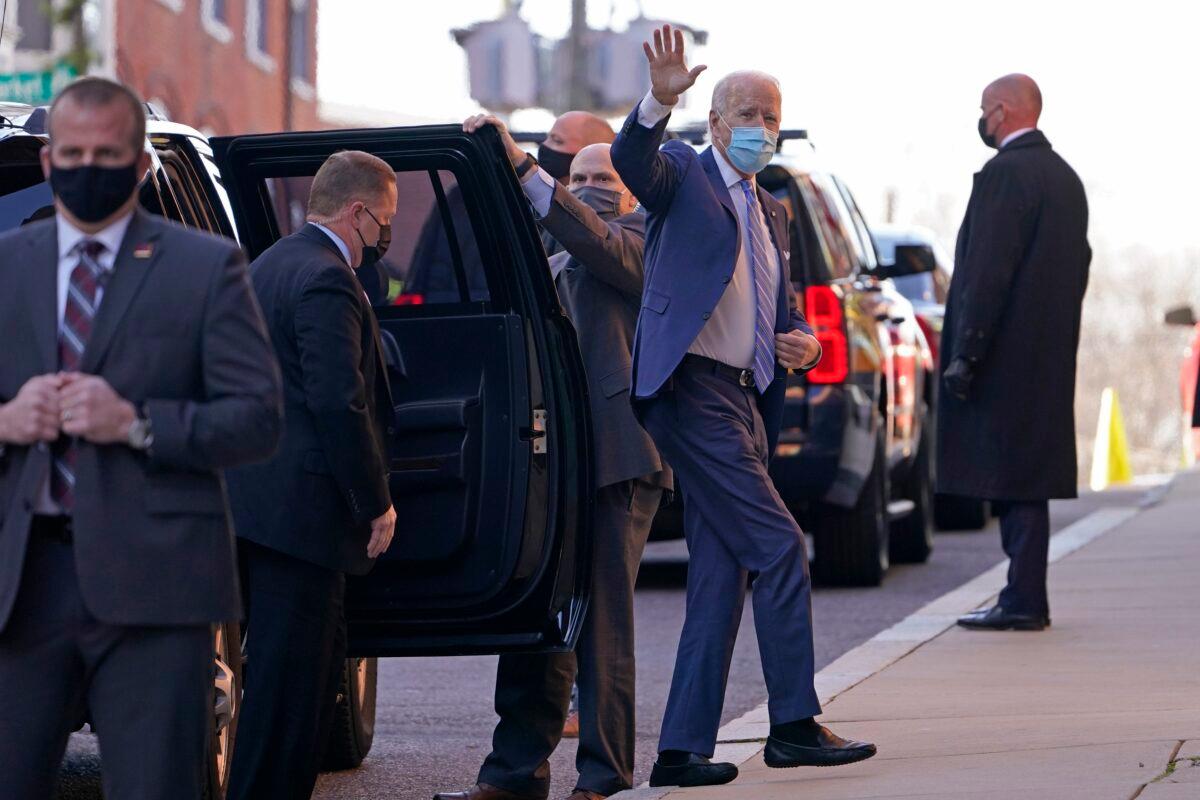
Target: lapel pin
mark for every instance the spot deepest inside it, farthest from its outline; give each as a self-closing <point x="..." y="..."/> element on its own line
<point x="144" y="250"/>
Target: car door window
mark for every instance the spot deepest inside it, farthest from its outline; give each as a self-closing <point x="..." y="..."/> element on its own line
<point x="865" y="247"/>
<point x="829" y="222"/>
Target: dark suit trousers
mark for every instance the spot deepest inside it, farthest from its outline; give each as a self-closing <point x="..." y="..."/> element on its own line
<point x="1025" y="534"/>
<point x="710" y="431"/>
<point x="149" y="690"/>
<point x="533" y="691"/>
<point x="295" y="647"/>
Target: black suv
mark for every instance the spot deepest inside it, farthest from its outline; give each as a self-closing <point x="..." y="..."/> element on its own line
<point x="490" y="464"/>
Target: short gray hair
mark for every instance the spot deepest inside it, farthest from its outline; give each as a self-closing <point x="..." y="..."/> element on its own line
<point x="347" y="176"/>
<point x="725" y="86"/>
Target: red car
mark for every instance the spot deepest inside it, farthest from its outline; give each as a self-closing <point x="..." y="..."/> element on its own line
<point x="927" y="290"/>
<point x="1183" y="315"/>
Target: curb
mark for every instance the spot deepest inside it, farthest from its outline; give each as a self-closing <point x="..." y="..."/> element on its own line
<point x="743" y="738"/>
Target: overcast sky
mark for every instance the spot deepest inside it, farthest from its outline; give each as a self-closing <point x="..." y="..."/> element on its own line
<point x="888" y="90"/>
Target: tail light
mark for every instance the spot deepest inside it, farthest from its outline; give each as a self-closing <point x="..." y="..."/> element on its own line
<point x="823" y="309"/>
<point x="931" y="336"/>
<point x="409" y="300"/>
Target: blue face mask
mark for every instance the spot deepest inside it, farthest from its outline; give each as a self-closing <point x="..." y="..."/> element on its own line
<point x="750" y="149"/>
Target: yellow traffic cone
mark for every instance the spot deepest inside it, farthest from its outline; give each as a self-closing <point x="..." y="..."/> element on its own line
<point x="1110" y="459"/>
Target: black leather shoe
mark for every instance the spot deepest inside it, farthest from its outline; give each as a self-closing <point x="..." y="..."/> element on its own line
<point x="831" y="750"/>
<point x="483" y="791"/>
<point x="698" y="771"/>
<point x="997" y="619"/>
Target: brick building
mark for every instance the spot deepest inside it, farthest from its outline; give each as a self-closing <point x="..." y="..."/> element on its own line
<point x="222" y="66"/>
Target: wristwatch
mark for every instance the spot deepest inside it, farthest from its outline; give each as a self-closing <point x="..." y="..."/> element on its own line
<point x="141" y="432"/>
<point x="529" y="163"/>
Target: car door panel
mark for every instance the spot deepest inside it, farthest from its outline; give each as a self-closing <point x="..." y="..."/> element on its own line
<point x="490" y="467"/>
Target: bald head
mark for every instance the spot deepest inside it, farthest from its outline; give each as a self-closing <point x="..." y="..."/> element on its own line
<point x="575" y="130"/>
<point x="592" y="166"/>
<point x="1010" y="104"/>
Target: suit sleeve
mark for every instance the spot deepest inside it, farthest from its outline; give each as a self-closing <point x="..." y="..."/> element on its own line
<point x="1001" y="228"/>
<point x="651" y="173"/>
<point x="328" y="325"/>
<point x="241" y="417"/>
<point x="610" y="251"/>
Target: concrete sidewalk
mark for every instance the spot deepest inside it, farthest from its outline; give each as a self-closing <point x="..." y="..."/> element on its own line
<point x="1103" y="706"/>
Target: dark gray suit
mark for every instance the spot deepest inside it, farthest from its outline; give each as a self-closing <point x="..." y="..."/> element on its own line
<point x="599" y="278"/>
<point x="118" y="620"/>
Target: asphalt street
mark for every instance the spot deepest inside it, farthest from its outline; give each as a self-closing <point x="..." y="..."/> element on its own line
<point x="435" y="717"/>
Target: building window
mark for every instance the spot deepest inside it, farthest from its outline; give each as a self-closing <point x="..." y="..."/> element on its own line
<point x="215" y="16"/>
<point x="298" y="40"/>
<point x="257" y="30"/>
<point x="33" y="20"/>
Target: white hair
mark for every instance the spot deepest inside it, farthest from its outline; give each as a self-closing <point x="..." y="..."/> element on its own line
<point x="725" y="87"/>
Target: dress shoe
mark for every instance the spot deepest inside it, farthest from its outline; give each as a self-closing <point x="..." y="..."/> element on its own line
<point x="698" y="771"/>
<point x="584" y="794"/>
<point x="828" y="750"/>
<point x="484" y="791"/>
<point x="997" y="619"/>
<point x="571" y="726"/>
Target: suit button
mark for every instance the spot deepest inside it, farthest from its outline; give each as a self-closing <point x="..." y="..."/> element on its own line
<point x="706" y="315"/>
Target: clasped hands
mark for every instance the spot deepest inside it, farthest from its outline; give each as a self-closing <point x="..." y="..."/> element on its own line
<point x="796" y="349"/>
<point x="70" y="403"/>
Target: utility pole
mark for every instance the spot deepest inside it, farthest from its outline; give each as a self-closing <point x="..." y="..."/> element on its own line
<point x="578" y="92"/>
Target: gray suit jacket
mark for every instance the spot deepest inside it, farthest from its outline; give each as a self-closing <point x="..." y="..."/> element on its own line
<point x="599" y="278"/>
<point x="179" y="332"/>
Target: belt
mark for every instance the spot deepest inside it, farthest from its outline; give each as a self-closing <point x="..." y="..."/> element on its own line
<point x="53" y="528"/>
<point x="742" y="377"/>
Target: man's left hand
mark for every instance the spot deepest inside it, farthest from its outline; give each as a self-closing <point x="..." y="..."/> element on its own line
<point x="91" y="410"/>
<point x="515" y="154"/>
<point x="796" y="349"/>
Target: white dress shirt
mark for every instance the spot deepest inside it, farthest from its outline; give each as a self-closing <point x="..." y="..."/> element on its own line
<point x="539" y="190"/>
<point x="728" y="335"/>
<point x="69" y="238"/>
<point x="1014" y="135"/>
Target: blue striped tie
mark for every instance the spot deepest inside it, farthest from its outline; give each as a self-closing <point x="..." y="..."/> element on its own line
<point x="760" y="268"/>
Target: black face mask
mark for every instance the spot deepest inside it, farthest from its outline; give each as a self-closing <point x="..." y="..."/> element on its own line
<point x="556" y="163"/>
<point x="375" y="252"/>
<point x="92" y="193"/>
<point x="988" y="138"/>
<point x="605" y="202"/>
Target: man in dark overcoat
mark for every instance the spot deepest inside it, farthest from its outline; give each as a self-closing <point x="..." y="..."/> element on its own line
<point x="1006" y="422"/>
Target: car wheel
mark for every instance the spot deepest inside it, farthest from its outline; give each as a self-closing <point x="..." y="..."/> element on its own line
<point x="852" y="543"/>
<point x="353" y="716"/>
<point x="227" y="668"/>
<point x="954" y="513"/>
<point x="912" y="535"/>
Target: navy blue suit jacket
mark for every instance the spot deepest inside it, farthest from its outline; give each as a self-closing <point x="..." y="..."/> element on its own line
<point x="692" y="244"/>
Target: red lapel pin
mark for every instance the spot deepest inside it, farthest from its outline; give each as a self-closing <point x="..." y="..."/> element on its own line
<point x="144" y="250"/>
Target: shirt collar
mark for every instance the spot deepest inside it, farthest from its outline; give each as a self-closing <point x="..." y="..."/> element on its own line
<point x="336" y="240"/>
<point x="1014" y="135"/>
<point x="730" y="175"/>
<point x="69" y="237"/>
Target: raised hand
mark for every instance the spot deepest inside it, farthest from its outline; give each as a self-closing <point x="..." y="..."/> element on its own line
<point x="515" y="154"/>
<point x="669" y="75"/>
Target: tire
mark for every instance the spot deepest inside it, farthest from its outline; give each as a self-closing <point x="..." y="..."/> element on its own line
<point x="353" y="716"/>
<point x="852" y="543"/>
<point x="954" y="513"/>
<point x="227" y="668"/>
<point x="912" y="537"/>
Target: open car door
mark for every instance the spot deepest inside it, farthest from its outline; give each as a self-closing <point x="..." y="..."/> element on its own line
<point x="490" y="453"/>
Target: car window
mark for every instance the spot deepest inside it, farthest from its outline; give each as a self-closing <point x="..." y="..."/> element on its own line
<point x="918" y="287"/>
<point x="829" y="217"/>
<point x="24" y="194"/>
<point x="434" y="256"/>
<point x="862" y="236"/>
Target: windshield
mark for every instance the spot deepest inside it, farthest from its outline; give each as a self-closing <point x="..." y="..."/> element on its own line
<point x="24" y="194"/>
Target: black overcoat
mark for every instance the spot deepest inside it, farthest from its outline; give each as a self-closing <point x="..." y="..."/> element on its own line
<point x="1021" y="269"/>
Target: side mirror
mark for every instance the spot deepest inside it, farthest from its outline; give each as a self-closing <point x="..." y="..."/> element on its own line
<point x="1180" y="315"/>
<point x="911" y="259"/>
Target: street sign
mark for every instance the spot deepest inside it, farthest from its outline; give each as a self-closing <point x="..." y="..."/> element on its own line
<point x="35" y="88"/>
